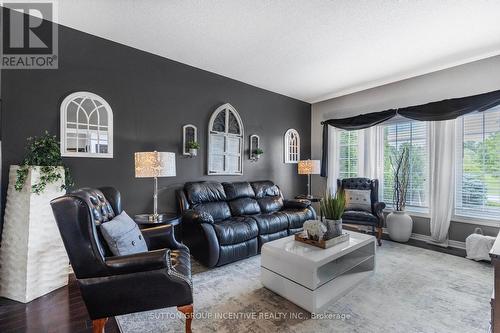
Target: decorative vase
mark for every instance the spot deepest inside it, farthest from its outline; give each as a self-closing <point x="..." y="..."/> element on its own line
<point x="193" y="152"/>
<point x="333" y="228"/>
<point x="33" y="259"/>
<point x="400" y="226"/>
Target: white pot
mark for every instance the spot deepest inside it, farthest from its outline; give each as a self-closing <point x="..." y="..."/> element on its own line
<point x="193" y="152"/>
<point x="33" y="260"/>
<point x="400" y="226"/>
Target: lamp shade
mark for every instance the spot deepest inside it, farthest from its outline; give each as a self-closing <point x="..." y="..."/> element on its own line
<point x="154" y="164"/>
<point x="309" y="167"/>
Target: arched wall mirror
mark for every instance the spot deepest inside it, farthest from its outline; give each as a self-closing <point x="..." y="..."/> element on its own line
<point x="225" y="142"/>
<point x="254" y="145"/>
<point x="189" y="134"/>
<point x="86" y="126"/>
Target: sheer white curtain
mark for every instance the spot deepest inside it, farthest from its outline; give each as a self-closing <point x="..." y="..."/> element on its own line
<point x="372" y="165"/>
<point x="442" y="178"/>
<point x="333" y="159"/>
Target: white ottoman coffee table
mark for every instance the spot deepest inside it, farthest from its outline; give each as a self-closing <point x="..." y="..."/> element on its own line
<point x="312" y="277"/>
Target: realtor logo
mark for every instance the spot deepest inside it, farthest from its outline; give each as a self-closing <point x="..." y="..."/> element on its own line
<point x="28" y="37"/>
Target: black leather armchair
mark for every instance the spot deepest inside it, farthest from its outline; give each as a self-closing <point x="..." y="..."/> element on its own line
<point x="375" y="218"/>
<point x="115" y="285"/>
<point x="226" y="222"/>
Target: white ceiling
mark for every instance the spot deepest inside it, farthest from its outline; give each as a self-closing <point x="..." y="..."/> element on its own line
<point x="308" y="49"/>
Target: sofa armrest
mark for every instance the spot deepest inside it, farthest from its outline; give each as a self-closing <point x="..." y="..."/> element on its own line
<point x="192" y="216"/>
<point x="378" y="211"/>
<point x="138" y="262"/>
<point x="296" y="203"/>
<point x="161" y="237"/>
<point x="378" y="207"/>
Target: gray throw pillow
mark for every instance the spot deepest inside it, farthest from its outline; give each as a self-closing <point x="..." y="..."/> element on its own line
<point x="358" y="200"/>
<point x="123" y="236"/>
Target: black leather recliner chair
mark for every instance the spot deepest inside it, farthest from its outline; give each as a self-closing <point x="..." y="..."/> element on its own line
<point x="227" y="222"/>
<point x="115" y="285"/>
<point x="375" y="218"/>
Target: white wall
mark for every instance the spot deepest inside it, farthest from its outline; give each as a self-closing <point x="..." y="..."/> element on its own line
<point x="465" y="80"/>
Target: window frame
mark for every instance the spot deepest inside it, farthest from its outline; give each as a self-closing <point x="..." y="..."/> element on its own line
<point x="228" y="108"/>
<point x="423" y="211"/>
<point x="360" y="147"/>
<point x="460" y="216"/>
<point x="287" y="146"/>
<point x="63" y="124"/>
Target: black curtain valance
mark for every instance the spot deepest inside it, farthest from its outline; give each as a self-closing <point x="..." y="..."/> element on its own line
<point x="435" y="111"/>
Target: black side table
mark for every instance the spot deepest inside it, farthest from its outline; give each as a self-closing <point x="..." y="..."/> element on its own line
<point x="172" y="219"/>
<point x="312" y="199"/>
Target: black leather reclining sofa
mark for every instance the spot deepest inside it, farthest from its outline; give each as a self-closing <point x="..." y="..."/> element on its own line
<point x="226" y="222"/>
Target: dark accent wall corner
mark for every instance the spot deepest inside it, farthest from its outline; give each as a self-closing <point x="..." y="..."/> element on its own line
<point x="152" y="98"/>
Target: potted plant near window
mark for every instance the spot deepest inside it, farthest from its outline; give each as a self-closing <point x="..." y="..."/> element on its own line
<point x="399" y="223"/>
<point x="256" y="153"/>
<point x="332" y="208"/>
<point x="32" y="255"/>
<point x="193" y="147"/>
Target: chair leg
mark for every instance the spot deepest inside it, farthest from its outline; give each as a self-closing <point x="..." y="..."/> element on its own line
<point x="379" y="236"/>
<point x="98" y="325"/>
<point x="188" y="311"/>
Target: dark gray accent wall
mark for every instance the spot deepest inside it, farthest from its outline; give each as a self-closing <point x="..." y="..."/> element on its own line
<point x="152" y="98"/>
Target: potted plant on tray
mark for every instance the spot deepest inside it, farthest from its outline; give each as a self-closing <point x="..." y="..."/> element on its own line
<point x="32" y="255"/>
<point x="193" y="147"/>
<point x="399" y="223"/>
<point x="332" y="208"/>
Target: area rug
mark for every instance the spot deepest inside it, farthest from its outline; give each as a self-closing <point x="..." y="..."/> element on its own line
<point x="413" y="290"/>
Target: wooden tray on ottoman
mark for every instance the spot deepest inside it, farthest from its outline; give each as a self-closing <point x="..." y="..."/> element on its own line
<point x="324" y="244"/>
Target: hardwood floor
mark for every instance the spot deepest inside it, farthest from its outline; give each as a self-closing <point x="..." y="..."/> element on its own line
<point x="60" y="311"/>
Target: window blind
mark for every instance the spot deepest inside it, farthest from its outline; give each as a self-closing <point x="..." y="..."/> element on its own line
<point x="413" y="134"/>
<point x="477" y="191"/>
<point x="348" y="154"/>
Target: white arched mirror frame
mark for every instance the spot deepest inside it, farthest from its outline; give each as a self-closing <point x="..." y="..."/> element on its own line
<point x="185" y="150"/>
<point x="213" y="135"/>
<point x="253" y="146"/>
<point x="64" y="124"/>
<point x="291" y="146"/>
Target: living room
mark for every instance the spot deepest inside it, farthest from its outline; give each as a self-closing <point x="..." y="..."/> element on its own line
<point x="216" y="166"/>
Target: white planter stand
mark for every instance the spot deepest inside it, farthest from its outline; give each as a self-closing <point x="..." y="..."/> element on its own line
<point x="400" y="226"/>
<point x="33" y="259"/>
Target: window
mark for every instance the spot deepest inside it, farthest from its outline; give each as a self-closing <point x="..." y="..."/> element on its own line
<point x="86" y="126"/>
<point x="413" y="134"/>
<point x="225" y="142"/>
<point x="477" y="191"/>
<point x="348" y="154"/>
<point x="292" y="146"/>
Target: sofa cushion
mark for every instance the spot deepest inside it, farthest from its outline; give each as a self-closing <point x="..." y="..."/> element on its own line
<point x="219" y="210"/>
<point x="123" y="236"/>
<point x="236" y="230"/>
<point x="271" y="223"/>
<point x="244" y="206"/>
<point x="201" y="192"/>
<point x="359" y="216"/>
<point x="297" y="217"/>
<point x="270" y="204"/>
<point x="238" y="190"/>
<point x="265" y="188"/>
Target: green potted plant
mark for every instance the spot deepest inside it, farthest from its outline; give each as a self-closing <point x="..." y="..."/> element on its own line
<point x="193" y="147"/>
<point x="38" y="264"/>
<point x="256" y="153"/>
<point x="332" y="208"/>
<point x="399" y="223"/>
